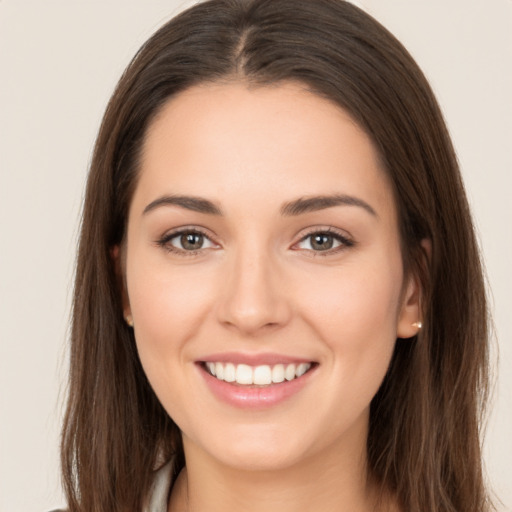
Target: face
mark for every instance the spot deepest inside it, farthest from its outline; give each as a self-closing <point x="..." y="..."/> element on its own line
<point x="263" y="247"/>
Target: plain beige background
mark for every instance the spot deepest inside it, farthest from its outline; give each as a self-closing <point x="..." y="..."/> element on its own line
<point x="59" y="62"/>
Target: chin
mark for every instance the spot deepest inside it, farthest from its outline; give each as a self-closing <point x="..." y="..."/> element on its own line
<point x="255" y="452"/>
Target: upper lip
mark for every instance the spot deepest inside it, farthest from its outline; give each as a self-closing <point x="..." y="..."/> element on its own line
<point x="253" y="359"/>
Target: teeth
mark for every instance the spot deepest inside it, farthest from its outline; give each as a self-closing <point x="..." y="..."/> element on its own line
<point x="289" y="373"/>
<point x="219" y="371"/>
<point x="262" y="375"/>
<point x="230" y="372"/>
<point x="278" y="373"/>
<point x="243" y="374"/>
<point x="301" y="369"/>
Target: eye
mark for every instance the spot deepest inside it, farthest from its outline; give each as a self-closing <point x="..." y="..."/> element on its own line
<point x="186" y="241"/>
<point x="324" y="241"/>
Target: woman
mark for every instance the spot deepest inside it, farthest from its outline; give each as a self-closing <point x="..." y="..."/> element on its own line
<point x="279" y="302"/>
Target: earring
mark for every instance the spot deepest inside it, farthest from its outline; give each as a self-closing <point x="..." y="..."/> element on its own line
<point x="418" y="325"/>
<point x="129" y="320"/>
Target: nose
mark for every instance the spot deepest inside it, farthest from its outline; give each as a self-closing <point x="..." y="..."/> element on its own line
<point x="254" y="298"/>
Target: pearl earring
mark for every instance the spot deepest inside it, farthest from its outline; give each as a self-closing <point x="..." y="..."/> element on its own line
<point x="129" y="320"/>
<point x="418" y="325"/>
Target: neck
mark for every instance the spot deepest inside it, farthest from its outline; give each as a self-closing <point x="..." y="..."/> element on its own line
<point x="332" y="480"/>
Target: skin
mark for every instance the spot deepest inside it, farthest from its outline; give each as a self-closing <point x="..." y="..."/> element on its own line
<point x="259" y="285"/>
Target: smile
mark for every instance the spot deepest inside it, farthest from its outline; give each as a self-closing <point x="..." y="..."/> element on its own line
<point x="262" y="375"/>
<point x="245" y="382"/>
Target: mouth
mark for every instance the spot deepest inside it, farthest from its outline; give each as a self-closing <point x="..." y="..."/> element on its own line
<point x="256" y="381"/>
<point x="256" y="376"/>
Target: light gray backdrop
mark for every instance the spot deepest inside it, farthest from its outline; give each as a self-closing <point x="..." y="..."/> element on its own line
<point x="59" y="62"/>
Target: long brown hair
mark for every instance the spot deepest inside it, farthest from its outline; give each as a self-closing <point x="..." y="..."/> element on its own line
<point x="424" y="436"/>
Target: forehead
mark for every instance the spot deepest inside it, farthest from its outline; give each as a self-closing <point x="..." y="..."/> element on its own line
<point x="236" y="143"/>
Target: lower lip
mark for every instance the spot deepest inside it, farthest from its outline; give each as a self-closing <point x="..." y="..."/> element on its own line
<point x="254" y="397"/>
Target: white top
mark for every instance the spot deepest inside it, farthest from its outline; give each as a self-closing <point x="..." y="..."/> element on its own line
<point x="159" y="492"/>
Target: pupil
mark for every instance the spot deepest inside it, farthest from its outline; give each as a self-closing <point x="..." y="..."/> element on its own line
<point x="322" y="242"/>
<point x="191" y="241"/>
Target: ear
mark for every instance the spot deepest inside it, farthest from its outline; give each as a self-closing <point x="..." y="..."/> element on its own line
<point x="410" y="311"/>
<point x="116" y="254"/>
<point x="410" y="315"/>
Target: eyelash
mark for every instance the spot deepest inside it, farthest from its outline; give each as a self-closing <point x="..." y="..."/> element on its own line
<point x="164" y="242"/>
<point x="344" y="241"/>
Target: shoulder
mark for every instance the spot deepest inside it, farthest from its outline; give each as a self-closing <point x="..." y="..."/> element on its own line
<point x="159" y="493"/>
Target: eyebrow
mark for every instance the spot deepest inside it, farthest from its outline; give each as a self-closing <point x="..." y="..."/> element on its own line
<point x="290" y="209"/>
<point x="196" y="204"/>
<point x="315" y="203"/>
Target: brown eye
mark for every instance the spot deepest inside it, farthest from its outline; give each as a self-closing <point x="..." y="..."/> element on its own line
<point x="186" y="242"/>
<point x="324" y="241"/>
<point x="191" y="241"/>
<point x="321" y="242"/>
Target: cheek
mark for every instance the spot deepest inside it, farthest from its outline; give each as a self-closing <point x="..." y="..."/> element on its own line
<point x="168" y="306"/>
<point x="354" y="311"/>
<point x="363" y="297"/>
